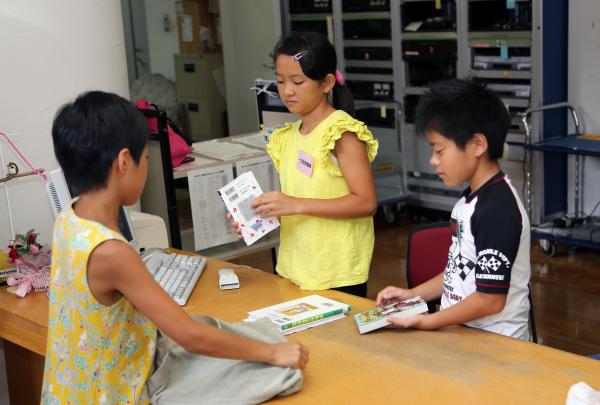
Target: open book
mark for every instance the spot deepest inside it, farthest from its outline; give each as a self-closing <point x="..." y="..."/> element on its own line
<point x="237" y="196"/>
<point x="378" y="317"/>
<point x="301" y="313"/>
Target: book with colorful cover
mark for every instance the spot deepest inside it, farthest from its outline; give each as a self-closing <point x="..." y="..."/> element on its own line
<point x="237" y="196"/>
<point x="378" y="317"/>
<point x="301" y="313"/>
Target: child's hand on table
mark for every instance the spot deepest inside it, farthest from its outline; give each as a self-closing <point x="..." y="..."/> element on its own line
<point x="289" y="354"/>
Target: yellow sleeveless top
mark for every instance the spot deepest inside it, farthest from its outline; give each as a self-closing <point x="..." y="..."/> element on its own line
<point x="320" y="253"/>
<point x="95" y="354"/>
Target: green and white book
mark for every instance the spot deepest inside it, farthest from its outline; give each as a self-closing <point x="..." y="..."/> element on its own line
<point x="301" y="313"/>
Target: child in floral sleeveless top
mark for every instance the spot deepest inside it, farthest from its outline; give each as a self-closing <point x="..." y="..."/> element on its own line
<point x="327" y="196"/>
<point x="104" y="305"/>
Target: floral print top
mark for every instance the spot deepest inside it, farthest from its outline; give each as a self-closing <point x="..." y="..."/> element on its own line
<point x="95" y="353"/>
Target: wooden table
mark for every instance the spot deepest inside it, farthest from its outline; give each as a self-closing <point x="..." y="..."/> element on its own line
<point x="454" y="365"/>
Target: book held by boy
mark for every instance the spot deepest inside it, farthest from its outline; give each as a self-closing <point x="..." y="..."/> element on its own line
<point x="301" y="313"/>
<point x="237" y="196"/>
<point x="378" y="317"/>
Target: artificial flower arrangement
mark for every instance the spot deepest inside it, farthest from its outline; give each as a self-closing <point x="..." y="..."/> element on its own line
<point x="32" y="262"/>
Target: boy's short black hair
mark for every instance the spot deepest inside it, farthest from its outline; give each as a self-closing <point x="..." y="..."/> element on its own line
<point x="89" y="133"/>
<point x="458" y="109"/>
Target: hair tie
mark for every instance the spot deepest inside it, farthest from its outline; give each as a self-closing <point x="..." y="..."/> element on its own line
<point x="339" y="77"/>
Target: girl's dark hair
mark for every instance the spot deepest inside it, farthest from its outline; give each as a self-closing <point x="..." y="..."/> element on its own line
<point x="89" y="133"/>
<point x="459" y="108"/>
<point x="318" y="61"/>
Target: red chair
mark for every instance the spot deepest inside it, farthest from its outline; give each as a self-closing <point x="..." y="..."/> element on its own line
<point x="427" y="256"/>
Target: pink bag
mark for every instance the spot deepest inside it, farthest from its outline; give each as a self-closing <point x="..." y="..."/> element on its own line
<point x="178" y="145"/>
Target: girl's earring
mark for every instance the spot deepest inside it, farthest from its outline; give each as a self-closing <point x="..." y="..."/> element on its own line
<point x="330" y="97"/>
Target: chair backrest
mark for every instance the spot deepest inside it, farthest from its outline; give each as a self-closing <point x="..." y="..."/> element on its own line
<point x="427" y="255"/>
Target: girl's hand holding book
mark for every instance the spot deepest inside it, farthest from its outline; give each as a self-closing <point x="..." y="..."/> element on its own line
<point x="235" y="226"/>
<point x="276" y="204"/>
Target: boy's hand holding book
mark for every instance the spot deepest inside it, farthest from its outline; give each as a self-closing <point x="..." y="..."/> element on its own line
<point x="391" y="294"/>
<point x="411" y="322"/>
<point x="395" y="312"/>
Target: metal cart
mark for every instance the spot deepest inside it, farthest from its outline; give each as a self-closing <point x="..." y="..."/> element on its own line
<point x="577" y="229"/>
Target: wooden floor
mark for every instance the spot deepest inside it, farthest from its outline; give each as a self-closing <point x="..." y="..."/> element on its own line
<point x="566" y="288"/>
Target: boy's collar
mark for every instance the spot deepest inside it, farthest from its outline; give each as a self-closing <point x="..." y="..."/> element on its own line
<point x="495" y="178"/>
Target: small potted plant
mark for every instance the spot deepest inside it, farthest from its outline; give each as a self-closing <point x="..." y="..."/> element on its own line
<point x="32" y="261"/>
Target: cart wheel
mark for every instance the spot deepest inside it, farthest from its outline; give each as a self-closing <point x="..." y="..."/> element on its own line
<point x="389" y="212"/>
<point x="548" y="247"/>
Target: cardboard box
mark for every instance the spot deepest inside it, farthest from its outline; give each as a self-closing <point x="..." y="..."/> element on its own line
<point x="192" y="16"/>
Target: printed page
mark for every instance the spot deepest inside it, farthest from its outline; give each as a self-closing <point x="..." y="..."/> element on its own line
<point x="211" y="227"/>
<point x="237" y="196"/>
<point x="263" y="170"/>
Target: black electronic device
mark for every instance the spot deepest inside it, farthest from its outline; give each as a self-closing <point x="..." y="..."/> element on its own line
<point x="420" y="74"/>
<point x="310" y="6"/>
<point x="319" y="26"/>
<point x="429" y="50"/>
<point x="351" y="6"/>
<point x="410" y="107"/>
<point x="370" y="70"/>
<point x="495" y="15"/>
<point x="424" y="16"/>
<point x="368" y="28"/>
<point x="368" y="53"/>
<point x="371" y="90"/>
<point x="376" y="116"/>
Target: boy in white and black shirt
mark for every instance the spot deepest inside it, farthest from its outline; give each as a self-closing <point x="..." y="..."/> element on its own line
<point x="485" y="282"/>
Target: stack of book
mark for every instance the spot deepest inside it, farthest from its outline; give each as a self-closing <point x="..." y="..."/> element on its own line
<point x="302" y="313"/>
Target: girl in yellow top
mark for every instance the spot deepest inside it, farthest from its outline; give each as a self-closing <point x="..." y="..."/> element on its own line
<point x="327" y="196"/>
<point x="104" y="305"/>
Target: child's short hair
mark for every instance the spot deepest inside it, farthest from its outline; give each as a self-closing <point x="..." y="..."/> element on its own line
<point x="89" y="133"/>
<point x="317" y="61"/>
<point x="458" y="109"/>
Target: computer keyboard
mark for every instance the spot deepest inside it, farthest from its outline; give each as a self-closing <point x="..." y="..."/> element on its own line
<point x="177" y="274"/>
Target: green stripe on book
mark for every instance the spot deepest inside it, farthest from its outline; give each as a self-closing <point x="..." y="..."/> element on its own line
<point x="310" y="319"/>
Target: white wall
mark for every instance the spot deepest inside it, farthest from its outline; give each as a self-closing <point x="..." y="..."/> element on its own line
<point x="51" y="51"/>
<point x="162" y="45"/>
<point x="584" y="87"/>
<point x="249" y="31"/>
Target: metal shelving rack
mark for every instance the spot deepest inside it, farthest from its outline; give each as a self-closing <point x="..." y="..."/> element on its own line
<point x="499" y="42"/>
<point x="581" y="230"/>
<point x="429" y="51"/>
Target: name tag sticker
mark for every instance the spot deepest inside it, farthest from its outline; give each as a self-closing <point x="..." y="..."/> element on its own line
<point x="305" y="163"/>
